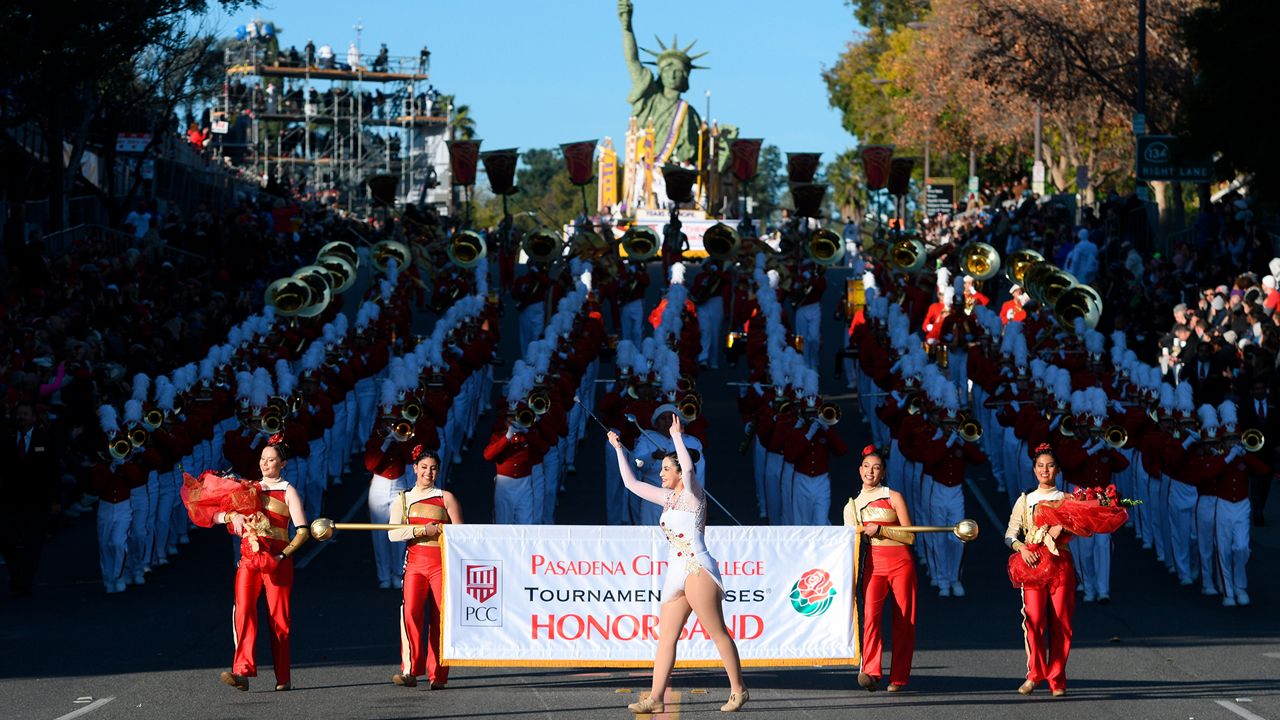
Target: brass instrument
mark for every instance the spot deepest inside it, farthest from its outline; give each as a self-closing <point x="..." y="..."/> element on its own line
<point x="829" y="413"/>
<point x="138" y="436"/>
<point x="907" y="255"/>
<point x="942" y="356"/>
<point x="411" y="410"/>
<point x="855" y="296"/>
<point x="1019" y="261"/>
<point x="542" y="245"/>
<point x="721" y="242"/>
<point x="970" y="429"/>
<point x="153" y="419"/>
<point x="915" y="405"/>
<point x="120" y="448"/>
<point x="288" y="296"/>
<point x="684" y="384"/>
<point x="825" y="247"/>
<point x="749" y="433"/>
<point x="1079" y="301"/>
<point x="797" y="342"/>
<point x="640" y="242"/>
<point x="980" y="260"/>
<point x="402" y="430"/>
<point x="342" y="249"/>
<point x="342" y="274"/>
<point x="388" y="250"/>
<point x="271" y="423"/>
<point x="539" y="401"/>
<point x="1116" y="436"/>
<point x="466" y="249"/>
<point x="318" y="279"/>
<point x="524" y="417"/>
<point x="1252" y="440"/>
<point x="1068" y="426"/>
<point x="689" y="407"/>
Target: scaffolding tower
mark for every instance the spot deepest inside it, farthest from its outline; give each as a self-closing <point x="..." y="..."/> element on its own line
<point x="335" y="124"/>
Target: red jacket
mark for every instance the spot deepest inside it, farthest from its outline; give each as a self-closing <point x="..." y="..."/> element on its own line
<point x="812" y="457"/>
<point x="514" y="457"/>
<point x="946" y="464"/>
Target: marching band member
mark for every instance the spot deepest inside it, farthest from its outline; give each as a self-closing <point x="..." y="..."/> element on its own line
<point x="530" y="293"/>
<point x="812" y="283"/>
<point x="427" y="509"/>
<point x="889" y="569"/>
<point x="708" y="291"/>
<point x="112" y="479"/>
<point x="634" y="281"/>
<point x="1233" y="517"/>
<point x="386" y="456"/>
<point x="809" y="449"/>
<point x="515" y="450"/>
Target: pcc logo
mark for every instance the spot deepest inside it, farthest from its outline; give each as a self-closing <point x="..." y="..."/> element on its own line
<point x="482" y="584"/>
<point x="812" y="594"/>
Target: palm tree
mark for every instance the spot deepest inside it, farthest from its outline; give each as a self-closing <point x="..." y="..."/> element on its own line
<point x="460" y="120"/>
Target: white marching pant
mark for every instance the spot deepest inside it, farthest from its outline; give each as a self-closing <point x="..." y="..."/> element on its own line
<point x="1181" y="513"/>
<point x="1232" y="533"/>
<point x="162" y="513"/>
<point x="511" y="504"/>
<point x="113" y="536"/>
<point x="809" y="327"/>
<point x="317" y="464"/>
<point x="366" y="412"/>
<point x="773" y="487"/>
<point x="1206" y="552"/>
<point x="632" y="316"/>
<point x="136" y="557"/>
<point x="810" y="499"/>
<point x="946" y="507"/>
<point x="710" y="321"/>
<point x="388" y="557"/>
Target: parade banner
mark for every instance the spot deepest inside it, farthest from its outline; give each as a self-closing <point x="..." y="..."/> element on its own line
<point x="500" y="166"/>
<point x="607" y="171"/>
<point x="577" y="159"/>
<point x="875" y="165"/>
<point x="590" y="596"/>
<point x="900" y="175"/>
<point x="745" y="156"/>
<point x="802" y="167"/>
<point x="463" y="155"/>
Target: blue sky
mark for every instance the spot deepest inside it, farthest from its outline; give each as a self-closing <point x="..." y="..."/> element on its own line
<point x="537" y="73"/>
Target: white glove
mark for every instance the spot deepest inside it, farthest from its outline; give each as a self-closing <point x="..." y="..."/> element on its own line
<point x="799" y="423"/>
<point x="1015" y="406"/>
<point x="952" y="439"/>
<point x="897" y="398"/>
<point x="386" y="443"/>
<point x="1093" y="447"/>
<point x="813" y="430"/>
<point x="1118" y="407"/>
<point x="1236" y="452"/>
<point x="511" y="432"/>
<point x="937" y="434"/>
<point x="756" y="386"/>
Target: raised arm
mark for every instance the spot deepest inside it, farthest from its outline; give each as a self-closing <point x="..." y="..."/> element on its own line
<point x="687" y="475"/>
<point x="630" y="51"/>
<point x="655" y="495"/>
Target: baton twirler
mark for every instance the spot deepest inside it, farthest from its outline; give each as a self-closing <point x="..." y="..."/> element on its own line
<point x="692" y="453"/>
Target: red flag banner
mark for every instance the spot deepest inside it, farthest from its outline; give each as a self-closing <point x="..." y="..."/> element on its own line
<point x="875" y="165"/>
<point x="900" y="175"/>
<point x="500" y="166"/>
<point x="745" y="154"/>
<point x="578" y="158"/>
<point x="801" y="167"/>
<point x="463" y="155"/>
<point x="808" y="198"/>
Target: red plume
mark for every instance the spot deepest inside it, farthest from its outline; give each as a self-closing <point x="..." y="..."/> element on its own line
<point x="275" y="439"/>
<point x="417" y="452"/>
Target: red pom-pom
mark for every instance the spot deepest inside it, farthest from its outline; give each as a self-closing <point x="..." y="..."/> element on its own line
<point x="868" y="450"/>
<point x="275" y="439"/>
<point x="1043" y="448"/>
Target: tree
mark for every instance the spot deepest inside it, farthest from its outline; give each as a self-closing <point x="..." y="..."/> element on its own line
<point x="769" y="184"/>
<point x="62" y="59"/>
<point x="848" y="187"/>
<point x="460" y="120"/>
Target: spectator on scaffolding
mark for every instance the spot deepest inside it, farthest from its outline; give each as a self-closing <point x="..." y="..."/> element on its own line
<point x="380" y="62"/>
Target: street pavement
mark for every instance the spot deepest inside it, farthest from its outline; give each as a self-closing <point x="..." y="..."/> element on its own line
<point x="1156" y="651"/>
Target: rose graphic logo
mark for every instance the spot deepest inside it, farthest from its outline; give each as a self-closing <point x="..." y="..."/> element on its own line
<point x="811" y="595"/>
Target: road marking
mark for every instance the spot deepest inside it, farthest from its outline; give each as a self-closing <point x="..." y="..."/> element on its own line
<point x="673" y="700"/>
<point x="1239" y="710"/>
<point x="86" y="709"/>
<point x="363" y="499"/>
<point x="1274" y="656"/>
<point x="982" y="501"/>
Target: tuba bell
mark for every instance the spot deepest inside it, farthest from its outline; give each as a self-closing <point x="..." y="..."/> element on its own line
<point x="907" y="255"/>
<point x="342" y="274"/>
<point x="466" y="249"/>
<point x="543" y="245"/>
<point x="318" y="279"/>
<point x="980" y="260"/>
<point x="387" y="250"/>
<point x="342" y="249"/>
<point x="1019" y="261"/>
<point x="539" y="401"/>
<point x="825" y="247"/>
<point x="1078" y="301"/>
<point x="721" y="242"/>
<point x="640" y="242"/>
<point x="1252" y="440"/>
<point x="288" y="296"/>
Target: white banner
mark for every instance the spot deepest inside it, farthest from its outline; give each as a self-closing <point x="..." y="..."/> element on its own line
<point x="590" y="596"/>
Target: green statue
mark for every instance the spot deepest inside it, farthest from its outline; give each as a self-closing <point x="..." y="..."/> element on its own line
<point x="656" y="101"/>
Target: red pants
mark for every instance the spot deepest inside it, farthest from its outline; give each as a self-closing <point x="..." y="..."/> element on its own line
<point x="1046" y="628"/>
<point x="422" y="573"/>
<point x="250" y="582"/>
<point x="889" y="568"/>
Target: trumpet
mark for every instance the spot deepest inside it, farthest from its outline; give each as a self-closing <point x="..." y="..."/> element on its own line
<point x="138" y="436"/>
<point x="539" y="401"/>
<point x="970" y="429"/>
<point x="524" y="418"/>
<point x="829" y="413"/>
<point x="1116" y="436"/>
<point x="153" y="419"/>
<point x="689" y="407"/>
<point x="1252" y="440"/>
<point x="120" y="448"/>
<point x="411" y="411"/>
<point x="402" y="430"/>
